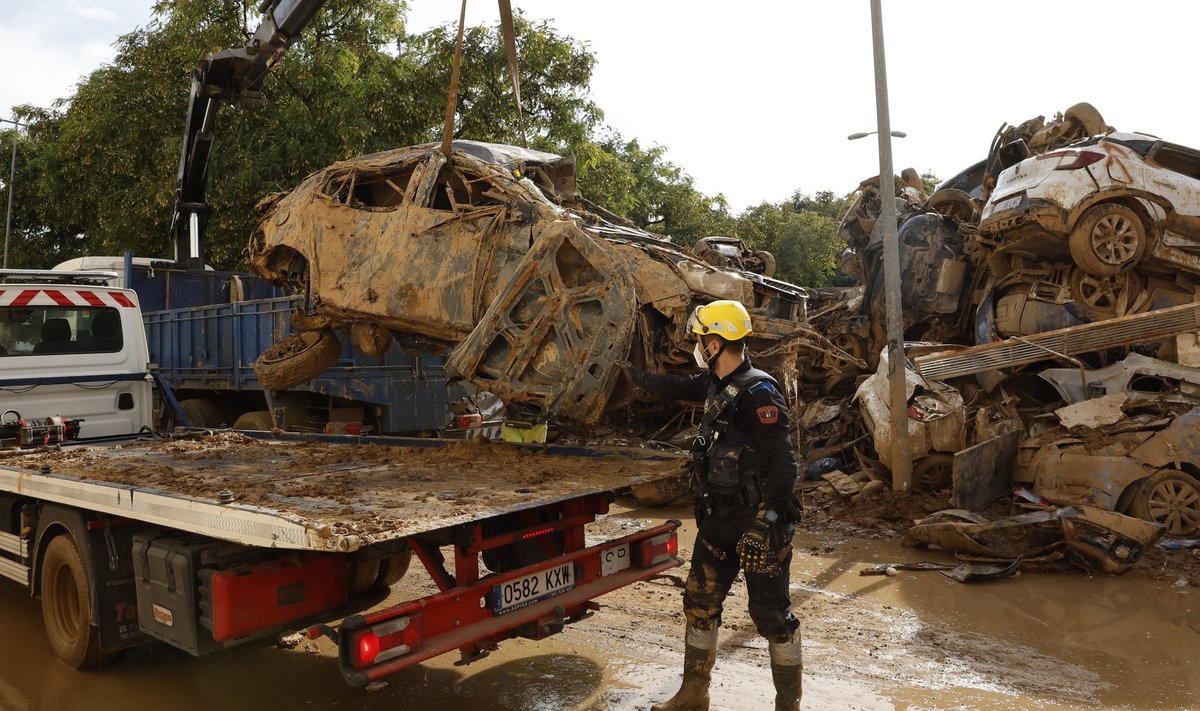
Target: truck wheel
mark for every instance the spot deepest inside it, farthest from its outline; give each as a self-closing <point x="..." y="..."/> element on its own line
<point x="202" y="412"/>
<point x="297" y="359"/>
<point x="257" y="420"/>
<point x="1108" y="239"/>
<point x="1171" y="498"/>
<point x="362" y="576"/>
<point x="66" y="606"/>
<point x="392" y="569"/>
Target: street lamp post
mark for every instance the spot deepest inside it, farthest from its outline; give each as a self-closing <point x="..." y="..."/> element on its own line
<point x="901" y="463"/>
<point x="12" y="176"/>
<point x="856" y="136"/>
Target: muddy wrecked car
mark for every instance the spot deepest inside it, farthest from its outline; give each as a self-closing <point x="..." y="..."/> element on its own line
<point x="493" y="252"/>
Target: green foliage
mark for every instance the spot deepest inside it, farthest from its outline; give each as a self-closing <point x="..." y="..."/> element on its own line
<point x="802" y="234"/>
<point x="930" y="181"/>
<point x="653" y="193"/>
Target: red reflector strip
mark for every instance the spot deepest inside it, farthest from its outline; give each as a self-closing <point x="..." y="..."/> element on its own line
<point x="25" y="297"/>
<point x="539" y="532"/>
<point x="122" y="299"/>
<point x="91" y="298"/>
<point x="58" y="297"/>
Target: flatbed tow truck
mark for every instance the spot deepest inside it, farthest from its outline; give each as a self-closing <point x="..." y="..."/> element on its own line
<point x="214" y="539"/>
<point x="205" y="539"/>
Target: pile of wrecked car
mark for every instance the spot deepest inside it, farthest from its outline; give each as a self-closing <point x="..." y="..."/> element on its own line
<point x="1050" y="304"/>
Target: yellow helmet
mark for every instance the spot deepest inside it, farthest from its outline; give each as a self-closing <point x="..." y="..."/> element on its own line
<point x="727" y="319"/>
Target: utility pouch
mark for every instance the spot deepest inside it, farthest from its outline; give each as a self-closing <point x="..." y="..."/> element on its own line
<point x="725" y="470"/>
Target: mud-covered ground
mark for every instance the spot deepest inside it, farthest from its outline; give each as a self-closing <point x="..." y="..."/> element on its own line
<point x="887" y="515"/>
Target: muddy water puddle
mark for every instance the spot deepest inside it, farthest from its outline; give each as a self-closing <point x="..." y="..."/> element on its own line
<point x="917" y="640"/>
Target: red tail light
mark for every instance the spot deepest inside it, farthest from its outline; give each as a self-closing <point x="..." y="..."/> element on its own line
<point x="1072" y="159"/>
<point x="387" y="640"/>
<point x="656" y="550"/>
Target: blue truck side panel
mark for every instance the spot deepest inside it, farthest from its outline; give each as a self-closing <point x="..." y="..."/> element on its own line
<point x="202" y="341"/>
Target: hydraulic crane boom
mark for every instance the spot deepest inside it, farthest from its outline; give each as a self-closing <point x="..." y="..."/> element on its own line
<point x="229" y="75"/>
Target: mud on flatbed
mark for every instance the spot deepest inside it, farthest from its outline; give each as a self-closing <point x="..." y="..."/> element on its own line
<point x="325" y="495"/>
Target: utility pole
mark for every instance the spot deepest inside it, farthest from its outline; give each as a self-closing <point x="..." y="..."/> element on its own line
<point x="901" y="463"/>
<point x="12" y="176"/>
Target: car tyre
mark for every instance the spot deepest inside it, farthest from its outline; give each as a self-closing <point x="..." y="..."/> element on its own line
<point x="297" y="359"/>
<point x="933" y="472"/>
<point x="1108" y="239"/>
<point x="66" y="606"/>
<point x="1172" y="498"/>
<point x="1105" y="297"/>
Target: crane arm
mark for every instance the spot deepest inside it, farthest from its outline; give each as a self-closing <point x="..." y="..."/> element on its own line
<point x="234" y="75"/>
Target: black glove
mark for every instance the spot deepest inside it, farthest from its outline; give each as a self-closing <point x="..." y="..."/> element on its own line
<point x="760" y="549"/>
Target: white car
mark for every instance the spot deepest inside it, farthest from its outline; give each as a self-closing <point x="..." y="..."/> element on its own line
<point x="1108" y="204"/>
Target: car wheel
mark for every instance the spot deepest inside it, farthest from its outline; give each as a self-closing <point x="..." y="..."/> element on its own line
<point x="1105" y="297"/>
<point x="66" y="606"/>
<point x="933" y="472"/>
<point x="1108" y="239"/>
<point x="1171" y="498"/>
<point x="297" y="359"/>
<point x="954" y="204"/>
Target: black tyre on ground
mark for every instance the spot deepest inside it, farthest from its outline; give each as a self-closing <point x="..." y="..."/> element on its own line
<point x="1169" y="497"/>
<point x="202" y="412"/>
<point x="297" y="359"/>
<point x="66" y="606"/>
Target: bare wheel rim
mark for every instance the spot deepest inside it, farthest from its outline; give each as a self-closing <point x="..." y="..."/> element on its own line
<point x="1115" y="240"/>
<point x="66" y="602"/>
<point x="1106" y="295"/>
<point x="1176" y="505"/>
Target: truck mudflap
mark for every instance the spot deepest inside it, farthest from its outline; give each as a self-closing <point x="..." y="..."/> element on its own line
<point x="473" y="616"/>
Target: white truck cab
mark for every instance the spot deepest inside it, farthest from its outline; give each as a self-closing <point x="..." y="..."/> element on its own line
<point x="73" y="347"/>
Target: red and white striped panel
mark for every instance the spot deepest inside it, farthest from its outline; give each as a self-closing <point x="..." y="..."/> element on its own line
<point x="64" y="297"/>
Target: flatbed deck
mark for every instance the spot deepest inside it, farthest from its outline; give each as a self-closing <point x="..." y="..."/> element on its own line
<point x="309" y="494"/>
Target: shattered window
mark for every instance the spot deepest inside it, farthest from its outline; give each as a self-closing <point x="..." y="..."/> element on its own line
<point x="379" y="191"/>
<point x="1179" y="159"/>
<point x="457" y="189"/>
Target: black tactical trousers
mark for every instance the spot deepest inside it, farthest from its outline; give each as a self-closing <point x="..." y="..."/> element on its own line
<point x="714" y="567"/>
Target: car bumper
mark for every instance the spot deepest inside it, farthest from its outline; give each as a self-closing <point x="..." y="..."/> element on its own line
<point x="1027" y="217"/>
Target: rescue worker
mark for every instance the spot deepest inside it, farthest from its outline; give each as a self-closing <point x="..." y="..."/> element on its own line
<point x="743" y="479"/>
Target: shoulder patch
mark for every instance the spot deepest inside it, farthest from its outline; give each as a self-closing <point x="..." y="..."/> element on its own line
<point x="762" y="385"/>
<point x="768" y="414"/>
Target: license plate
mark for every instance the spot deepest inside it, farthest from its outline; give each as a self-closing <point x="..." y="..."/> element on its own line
<point x="531" y="588"/>
<point x="614" y="560"/>
<point x="1006" y="204"/>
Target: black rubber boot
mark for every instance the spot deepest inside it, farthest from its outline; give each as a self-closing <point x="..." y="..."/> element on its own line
<point x="697" y="674"/>
<point x="788" y="687"/>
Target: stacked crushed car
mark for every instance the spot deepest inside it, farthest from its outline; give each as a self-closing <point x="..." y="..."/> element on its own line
<point x="1050" y="304"/>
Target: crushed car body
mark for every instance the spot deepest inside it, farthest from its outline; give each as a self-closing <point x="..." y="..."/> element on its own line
<point x="493" y="253"/>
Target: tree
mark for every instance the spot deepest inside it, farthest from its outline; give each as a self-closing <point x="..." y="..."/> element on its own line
<point x="800" y="232"/>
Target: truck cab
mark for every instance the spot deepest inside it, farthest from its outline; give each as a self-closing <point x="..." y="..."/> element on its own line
<point x="72" y="347"/>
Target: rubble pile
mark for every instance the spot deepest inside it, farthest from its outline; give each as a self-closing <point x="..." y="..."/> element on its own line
<point x="1049" y="300"/>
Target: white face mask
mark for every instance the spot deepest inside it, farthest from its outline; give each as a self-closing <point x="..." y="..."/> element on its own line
<point x="700" y="356"/>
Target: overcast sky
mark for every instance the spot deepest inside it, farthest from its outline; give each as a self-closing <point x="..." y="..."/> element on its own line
<point x="753" y="98"/>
